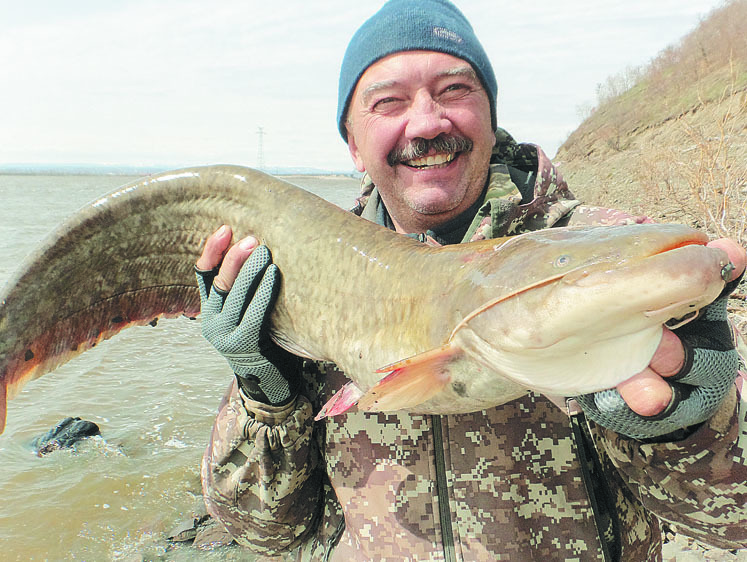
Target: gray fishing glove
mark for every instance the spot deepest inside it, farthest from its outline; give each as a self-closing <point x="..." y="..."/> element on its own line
<point x="235" y="323"/>
<point x="709" y="371"/>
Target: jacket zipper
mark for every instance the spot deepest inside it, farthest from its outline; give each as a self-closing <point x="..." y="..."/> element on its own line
<point x="442" y="491"/>
<point x="600" y="497"/>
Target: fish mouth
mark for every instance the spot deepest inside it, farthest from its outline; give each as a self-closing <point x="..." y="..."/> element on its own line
<point x="670" y="284"/>
<point x="657" y="267"/>
<point x="649" y="254"/>
<point x="675" y="310"/>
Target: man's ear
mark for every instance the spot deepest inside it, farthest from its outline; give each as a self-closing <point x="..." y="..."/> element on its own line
<point x="353" y="148"/>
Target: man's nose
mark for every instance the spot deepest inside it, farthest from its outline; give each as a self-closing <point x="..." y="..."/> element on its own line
<point x="426" y="119"/>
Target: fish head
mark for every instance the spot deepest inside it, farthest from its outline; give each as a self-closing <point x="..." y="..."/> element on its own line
<point x="585" y="307"/>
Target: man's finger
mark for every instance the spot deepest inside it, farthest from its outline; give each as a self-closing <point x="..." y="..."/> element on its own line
<point x="215" y="248"/>
<point x="670" y="355"/>
<point x="646" y="393"/>
<point x="235" y="258"/>
<point x="736" y="253"/>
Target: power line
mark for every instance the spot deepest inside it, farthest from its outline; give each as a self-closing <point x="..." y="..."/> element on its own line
<point x="260" y="148"/>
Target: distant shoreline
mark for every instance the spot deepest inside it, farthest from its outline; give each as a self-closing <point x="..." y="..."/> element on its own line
<point x="341" y="177"/>
<point x="92" y="170"/>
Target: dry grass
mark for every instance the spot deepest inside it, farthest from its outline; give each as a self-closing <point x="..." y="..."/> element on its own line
<point x="704" y="178"/>
<point x="670" y="140"/>
<point x="696" y="70"/>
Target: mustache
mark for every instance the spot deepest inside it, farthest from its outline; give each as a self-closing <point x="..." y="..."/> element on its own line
<point x="420" y="147"/>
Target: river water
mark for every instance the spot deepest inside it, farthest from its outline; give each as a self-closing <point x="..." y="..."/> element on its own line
<point x="153" y="391"/>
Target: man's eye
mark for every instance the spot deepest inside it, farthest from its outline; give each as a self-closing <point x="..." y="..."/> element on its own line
<point x="383" y="103"/>
<point x="453" y="89"/>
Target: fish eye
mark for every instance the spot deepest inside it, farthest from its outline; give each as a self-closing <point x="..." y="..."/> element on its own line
<point x="562" y="261"/>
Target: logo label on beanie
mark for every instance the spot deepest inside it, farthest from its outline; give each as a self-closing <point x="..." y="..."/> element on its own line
<point x="449" y="35"/>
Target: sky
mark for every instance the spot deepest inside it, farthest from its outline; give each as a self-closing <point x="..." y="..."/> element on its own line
<point x="188" y="82"/>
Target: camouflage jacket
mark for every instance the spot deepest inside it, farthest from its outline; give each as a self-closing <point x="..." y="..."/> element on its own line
<point x="499" y="484"/>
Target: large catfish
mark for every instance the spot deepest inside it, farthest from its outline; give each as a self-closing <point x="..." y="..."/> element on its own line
<point x="416" y="328"/>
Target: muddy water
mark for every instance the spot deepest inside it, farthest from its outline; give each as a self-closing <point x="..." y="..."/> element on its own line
<point x="152" y="390"/>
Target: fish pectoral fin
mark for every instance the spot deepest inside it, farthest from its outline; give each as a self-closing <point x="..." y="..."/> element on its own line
<point x="341" y="402"/>
<point x="292" y="347"/>
<point x="411" y="381"/>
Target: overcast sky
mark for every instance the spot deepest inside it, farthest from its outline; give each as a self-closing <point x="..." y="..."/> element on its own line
<point x="188" y="82"/>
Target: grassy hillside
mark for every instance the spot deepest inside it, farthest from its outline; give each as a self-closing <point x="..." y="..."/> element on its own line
<point x="669" y="140"/>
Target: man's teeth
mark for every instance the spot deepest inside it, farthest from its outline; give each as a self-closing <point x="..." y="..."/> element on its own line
<point x="435" y="160"/>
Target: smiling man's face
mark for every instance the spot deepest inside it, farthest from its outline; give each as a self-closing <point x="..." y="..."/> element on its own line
<point x="400" y="104"/>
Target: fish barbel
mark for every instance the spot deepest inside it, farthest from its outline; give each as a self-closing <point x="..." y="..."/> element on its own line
<point x="416" y="328"/>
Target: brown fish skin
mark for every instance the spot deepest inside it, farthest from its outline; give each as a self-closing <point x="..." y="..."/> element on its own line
<point x="127" y="259"/>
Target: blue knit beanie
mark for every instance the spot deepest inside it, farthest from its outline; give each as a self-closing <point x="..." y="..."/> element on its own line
<point x="412" y="25"/>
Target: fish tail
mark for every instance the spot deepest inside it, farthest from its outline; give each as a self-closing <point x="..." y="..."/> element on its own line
<point x="3" y="404"/>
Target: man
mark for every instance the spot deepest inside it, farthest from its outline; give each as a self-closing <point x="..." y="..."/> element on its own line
<point x="519" y="481"/>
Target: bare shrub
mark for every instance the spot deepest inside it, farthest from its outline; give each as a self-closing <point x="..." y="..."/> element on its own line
<point x="585" y="110"/>
<point x="616" y="85"/>
<point x="718" y="41"/>
<point x="706" y="180"/>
